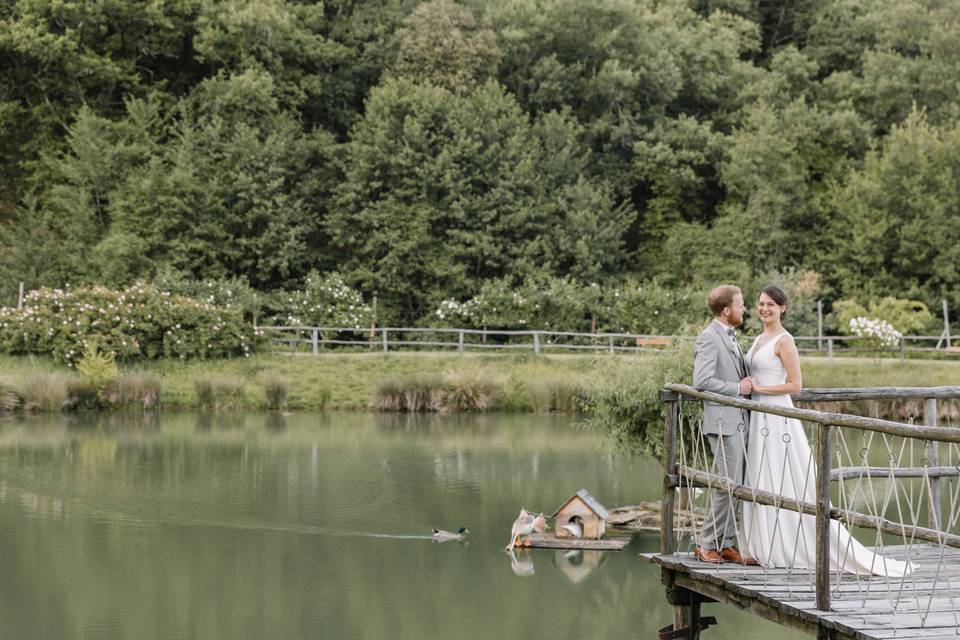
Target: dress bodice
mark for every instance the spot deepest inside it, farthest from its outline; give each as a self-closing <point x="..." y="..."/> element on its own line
<point x="764" y="364"/>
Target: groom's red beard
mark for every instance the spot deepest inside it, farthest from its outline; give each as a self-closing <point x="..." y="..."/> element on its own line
<point x="736" y="321"/>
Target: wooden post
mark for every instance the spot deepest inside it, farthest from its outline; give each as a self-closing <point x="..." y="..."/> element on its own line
<point x="830" y="348"/>
<point x="20" y="299"/>
<point x="903" y="347"/>
<point x="933" y="508"/>
<point x="593" y="328"/>
<point x="384" y="339"/>
<point x="536" y="342"/>
<point x="671" y="414"/>
<point x="315" y="340"/>
<point x="460" y="343"/>
<point x="373" y="317"/>
<point x="611" y="345"/>
<point x="819" y="325"/>
<point x="824" y="438"/>
<point x="254" y="310"/>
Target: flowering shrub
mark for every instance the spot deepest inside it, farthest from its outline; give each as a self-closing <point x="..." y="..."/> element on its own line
<point x="324" y="301"/>
<point x="228" y="292"/>
<point x="878" y="333"/>
<point x="138" y="322"/>
<point x="907" y="316"/>
<point x="647" y="307"/>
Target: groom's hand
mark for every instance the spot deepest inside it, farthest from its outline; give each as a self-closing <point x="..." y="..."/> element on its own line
<point x="746" y="386"/>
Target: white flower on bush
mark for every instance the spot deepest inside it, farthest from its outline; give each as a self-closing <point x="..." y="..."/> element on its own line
<point x="879" y="331"/>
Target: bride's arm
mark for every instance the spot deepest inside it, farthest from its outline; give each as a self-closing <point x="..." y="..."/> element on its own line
<point x="786" y="350"/>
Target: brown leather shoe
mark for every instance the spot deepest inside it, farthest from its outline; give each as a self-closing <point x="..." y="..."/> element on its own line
<point x="732" y="554"/>
<point x="707" y="555"/>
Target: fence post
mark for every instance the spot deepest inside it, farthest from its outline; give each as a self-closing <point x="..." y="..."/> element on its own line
<point x="671" y="408"/>
<point x="830" y="348"/>
<point x="460" y="343"/>
<point x="536" y="342"/>
<point x="314" y="340"/>
<point x="946" y="322"/>
<point x="819" y="325"/>
<point x="824" y="439"/>
<point x="20" y="299"/>
<point x="611" y="345"/>
<point x="384" y="339"/>
<point x="930" y="418"/>
<point x="903" y="347"/>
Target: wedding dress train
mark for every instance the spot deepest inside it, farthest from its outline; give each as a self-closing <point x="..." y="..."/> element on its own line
<point x="779" y="460"/>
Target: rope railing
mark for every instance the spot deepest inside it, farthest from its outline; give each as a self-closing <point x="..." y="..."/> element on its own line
<point x="857" y="473"/>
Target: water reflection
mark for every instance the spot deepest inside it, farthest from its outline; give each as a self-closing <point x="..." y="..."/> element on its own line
<point x="521" y="562"/>
<point x="577" y="564"/>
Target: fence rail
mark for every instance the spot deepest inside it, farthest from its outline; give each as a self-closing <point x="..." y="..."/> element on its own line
<point x="543" y="340"/>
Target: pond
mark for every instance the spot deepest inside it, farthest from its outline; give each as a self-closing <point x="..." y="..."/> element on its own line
<point x="315" y="525"/>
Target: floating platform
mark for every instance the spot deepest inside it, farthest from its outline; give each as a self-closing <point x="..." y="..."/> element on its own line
<point x="865" y="608"/>
<point x="550" y="541"/>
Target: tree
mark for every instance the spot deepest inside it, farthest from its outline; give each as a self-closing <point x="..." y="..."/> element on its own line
<point x="443" y="191"/>
<point x="442" y="43"/>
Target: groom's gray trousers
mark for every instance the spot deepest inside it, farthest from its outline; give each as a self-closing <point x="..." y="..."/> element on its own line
<point x="718" y="367"/>
<point x="720" y="528"/>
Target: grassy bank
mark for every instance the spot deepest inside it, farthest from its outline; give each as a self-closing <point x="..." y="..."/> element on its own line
<point x="356" y="381"/>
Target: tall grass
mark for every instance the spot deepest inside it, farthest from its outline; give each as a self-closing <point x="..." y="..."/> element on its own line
<point x="10" y="398"/>
<point x="454" y="391"/>
<point x="140" y="389"/>
<point x="275" y="391"/>
<point x="219" y="392"/>
<point x="47" y="391"/>
<point x="555" y="394"/>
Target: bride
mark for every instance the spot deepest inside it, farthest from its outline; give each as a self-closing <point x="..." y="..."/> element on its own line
<point x="779" y="460"/>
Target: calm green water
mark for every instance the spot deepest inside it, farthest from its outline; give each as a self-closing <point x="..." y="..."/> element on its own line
<point x="313" y="526"/>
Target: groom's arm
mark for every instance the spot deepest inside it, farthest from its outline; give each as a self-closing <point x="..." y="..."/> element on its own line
<point x="705" y="377"/>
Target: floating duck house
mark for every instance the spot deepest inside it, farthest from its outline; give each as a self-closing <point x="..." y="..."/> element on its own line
<point x="581" y="512"/>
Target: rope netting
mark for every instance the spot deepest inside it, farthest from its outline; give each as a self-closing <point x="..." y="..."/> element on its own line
<point x="895" y="504"/>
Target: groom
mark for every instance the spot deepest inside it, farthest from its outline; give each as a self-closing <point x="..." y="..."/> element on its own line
<point x="719" y="367"/>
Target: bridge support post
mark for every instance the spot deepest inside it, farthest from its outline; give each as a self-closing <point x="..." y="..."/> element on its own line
<point x="825" y="442"/>
<point x="671" y="409"/>
<point x="687" y="622"/>
<point x="934" y="509"/>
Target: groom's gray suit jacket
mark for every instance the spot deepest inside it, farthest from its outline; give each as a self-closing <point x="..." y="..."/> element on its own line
<point x="718" y="366"/>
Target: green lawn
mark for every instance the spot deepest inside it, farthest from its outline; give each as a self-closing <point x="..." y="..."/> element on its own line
<point x="349" y="380"/>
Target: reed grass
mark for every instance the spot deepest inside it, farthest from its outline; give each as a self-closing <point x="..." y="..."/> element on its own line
<point x="275" y="389"/>
<point x="219" y="392"/>
<point x="135" y="389"/>
<point x="10" y="398"/>
<point x="454" y="391"/>
<point x="47" y="391"/>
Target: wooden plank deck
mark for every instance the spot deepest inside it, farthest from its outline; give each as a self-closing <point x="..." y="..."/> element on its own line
<point x="865" y="608"/>
<point x="550" y="541"/>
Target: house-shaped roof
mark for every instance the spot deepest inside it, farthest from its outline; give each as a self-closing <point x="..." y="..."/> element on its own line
<point x="589" y="500"/>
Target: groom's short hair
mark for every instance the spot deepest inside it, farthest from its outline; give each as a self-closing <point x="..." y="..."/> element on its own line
<point x="722" y="297"/>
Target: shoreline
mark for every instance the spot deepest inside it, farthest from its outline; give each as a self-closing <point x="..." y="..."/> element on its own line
<point x="521" y="383"/>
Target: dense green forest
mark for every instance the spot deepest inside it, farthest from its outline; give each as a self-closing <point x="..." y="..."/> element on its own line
<point x="423" y="150"/>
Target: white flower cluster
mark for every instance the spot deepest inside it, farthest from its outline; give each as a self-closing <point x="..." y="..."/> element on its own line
<point x="879" y="330"/>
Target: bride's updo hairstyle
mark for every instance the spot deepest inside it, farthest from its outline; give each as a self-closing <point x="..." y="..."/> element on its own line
<point x="779" y="296"/>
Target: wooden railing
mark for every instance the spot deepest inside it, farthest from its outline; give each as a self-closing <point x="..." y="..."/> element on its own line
<point x="542" y="340"/>
<point x="677" y="474"/>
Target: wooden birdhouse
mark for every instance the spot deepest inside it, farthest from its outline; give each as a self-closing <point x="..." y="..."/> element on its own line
<point x="581" y="516"/>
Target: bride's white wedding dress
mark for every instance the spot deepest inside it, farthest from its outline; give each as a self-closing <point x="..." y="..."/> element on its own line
<point x="779" y="461"/>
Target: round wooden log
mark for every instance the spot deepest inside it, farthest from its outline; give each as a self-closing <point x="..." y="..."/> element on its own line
<point x="943" y="434"/>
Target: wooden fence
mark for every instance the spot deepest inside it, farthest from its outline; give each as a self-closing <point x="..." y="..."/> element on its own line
<point x="543" y="340"/>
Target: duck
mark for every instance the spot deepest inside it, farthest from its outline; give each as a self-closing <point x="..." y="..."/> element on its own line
<point x="574" y="528"/>
<point x="444" y="536"/>
<point x="522" y="526"/>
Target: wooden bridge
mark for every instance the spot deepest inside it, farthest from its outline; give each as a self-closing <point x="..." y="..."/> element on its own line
<point x="873" y="474"/>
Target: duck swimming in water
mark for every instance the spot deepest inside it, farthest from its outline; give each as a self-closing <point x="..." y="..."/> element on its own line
<point x="444" y="536"/>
